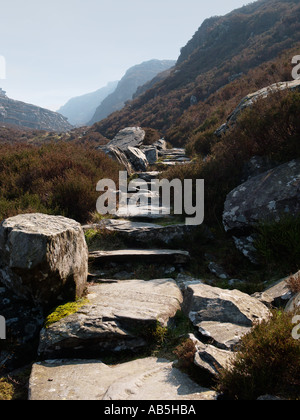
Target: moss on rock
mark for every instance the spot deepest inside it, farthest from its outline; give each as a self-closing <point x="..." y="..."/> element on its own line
<point x="64" y="310"/>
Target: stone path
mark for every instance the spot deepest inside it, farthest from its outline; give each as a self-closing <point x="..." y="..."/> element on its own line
<point x="139" y="380"/>
<point x="146" y="256"/>
<point x="116" y="317"/>
<point x="122" y="315"/>
<point x="172" y="157"/>
<point x="144" y="232"/>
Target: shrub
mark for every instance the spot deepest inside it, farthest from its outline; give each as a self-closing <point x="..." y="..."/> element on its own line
<point x="293" y="283"/>
<point x="6" y="390"/>
<point x="268" y="362"/>
<point x="278" y="243"/>
<point x="271" y="127"/>
<point x="56" y="178"/>
<point x="151" y="136"/>
<point x="185" y="353"/>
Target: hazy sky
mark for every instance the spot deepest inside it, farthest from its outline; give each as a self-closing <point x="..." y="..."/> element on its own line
<point x="57" y="49"/>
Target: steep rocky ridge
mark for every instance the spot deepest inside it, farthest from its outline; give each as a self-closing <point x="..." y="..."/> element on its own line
<point x="224" y="50"/>
<point x="21" y="114"/>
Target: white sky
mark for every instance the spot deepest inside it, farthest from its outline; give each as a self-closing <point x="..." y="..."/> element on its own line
<point x="58" y="49"/>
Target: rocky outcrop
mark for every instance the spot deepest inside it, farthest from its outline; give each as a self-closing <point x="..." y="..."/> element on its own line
<point x="265" y="197"/>
<point x="222" y="316"/>
<point x="250" y="99"/>
<point x="124" y="148"/>
<point x="139" y="380"/>
<point x="257" y="165"/>
<point x="137" y="158"/>
<point x="160" y="144"/>
<point x="43" y="259"/>
<point x="25" y="115"/>
<point x="151" y="154"/>
<point x="277" y="295"/>
<point x="116" y="317"/>
<point x="128" y="148"/>
<point x="209" y="358"/>
<point x="128" y="137"/>
<point x="119" y="156"/>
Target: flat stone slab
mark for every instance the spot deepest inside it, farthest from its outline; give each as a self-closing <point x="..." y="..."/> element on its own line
<point x="225" y="336"/>
<point x="142" y="231"/>
<point x="222" y="316"/>
<point x="116" y="317"/>
<point x="139" y="380"/>
<point x="138" y="255"/>
<point x="148" y="176"/>
<point x="128" y="137"/>
<point x="144" y="211"/>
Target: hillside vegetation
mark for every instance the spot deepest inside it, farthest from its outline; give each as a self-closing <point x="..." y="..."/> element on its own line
<point x="216" y="66"/>
<point x="58" y="179"/>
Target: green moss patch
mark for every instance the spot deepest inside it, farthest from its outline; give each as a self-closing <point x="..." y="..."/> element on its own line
<point x="63" y="311"/>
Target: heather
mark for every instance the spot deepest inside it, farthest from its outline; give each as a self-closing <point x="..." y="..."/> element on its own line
<point x="267" y="362"/>
<point x="58" y="179"/>
<point x="269" y="128"/>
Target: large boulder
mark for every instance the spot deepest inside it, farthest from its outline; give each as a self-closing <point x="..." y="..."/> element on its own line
<point x="265" y="197"/>
<point x="115" y="317"/>
<point x="138" y="380"/>
<point x="128" y="137"/>
<point x="250" y="99"/>
<point x="276" y="295"/>
<point x="43" y="259"/>
<point x="119" y="156"/>
<point x="222" y="316"/>
<point x="131" y="158"/>
<point x="151" y="154"/>
<point x="137" y="158"/>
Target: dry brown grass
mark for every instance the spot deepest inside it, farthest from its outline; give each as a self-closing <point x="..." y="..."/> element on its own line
<point x="293" y="283"/>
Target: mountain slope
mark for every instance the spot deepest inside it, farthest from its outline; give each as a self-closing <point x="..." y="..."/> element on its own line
<point x="134" y="78"/>
<point x="222" y="50"/>
<point x="21" y="114"/>
<point x="81" y="109"/>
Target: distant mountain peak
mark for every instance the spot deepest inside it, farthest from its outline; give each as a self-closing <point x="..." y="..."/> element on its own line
<point x="79" y="110"/>
<point x="134" y="78"/>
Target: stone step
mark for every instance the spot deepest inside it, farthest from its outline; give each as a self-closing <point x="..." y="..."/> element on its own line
<point x="148" y="212"/>
<point x="223" y="316"/>
<point x="174" y="163"/>
<point x="139" y="380"/>
<point x="115" y="317"/>
<point x="148" y="176"/>
<point x="142" y="231"/>
<point x="138" y="255"/>
<point x="169" y="152"/>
